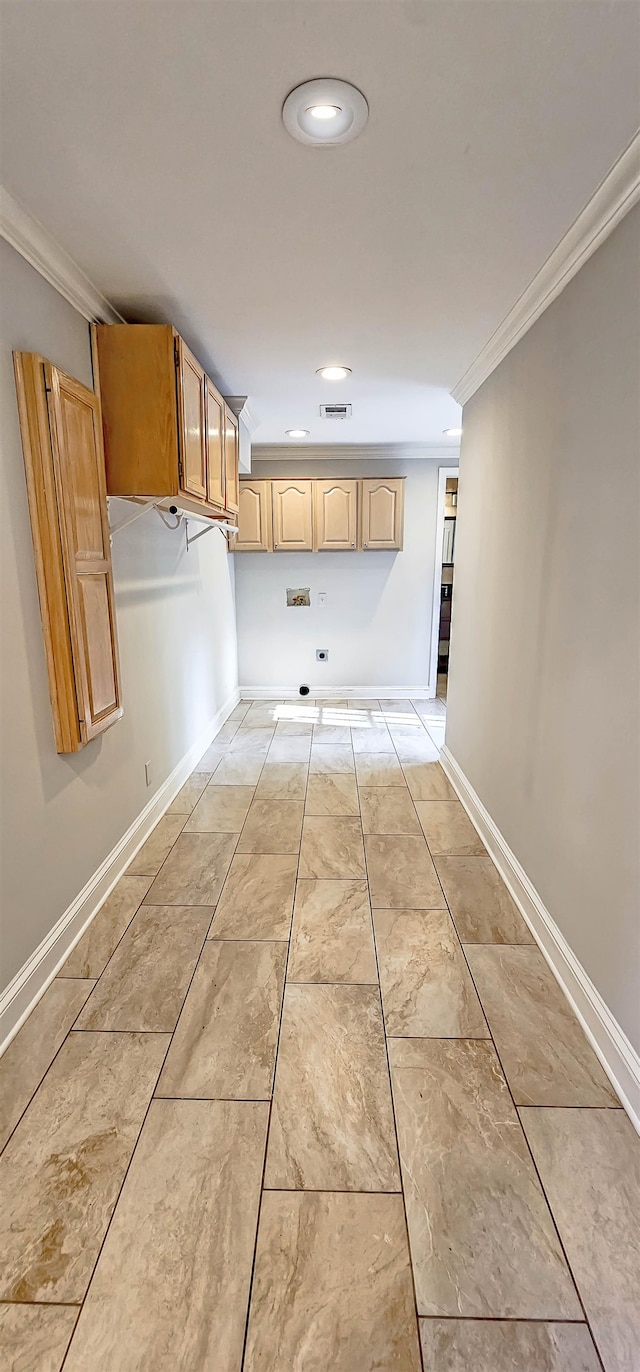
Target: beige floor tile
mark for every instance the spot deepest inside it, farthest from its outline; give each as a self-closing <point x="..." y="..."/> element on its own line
<point x="544" y="1052"/>
<point x="331" y="703"/>
<point x="331" y="1119"/>
<point x="210" y="760"/>
<point x="332" y="1286"/>
<point x="325" y="758"/>
<point x="239" y="769"/>
<point x="416" y="750"/>
<point x="224" y="1046"/>
<point x="148" y="861"/>
<point x="379" y="769"/>
<point x="427" y="781"/>
<point x="437" y="733"/>
<point x="331" y="938"/>
<point x="448" y="829"/>
<point x="401" y="873"/>
<point x="290" y="749"/>
<point x="430" y="709"/>
<point x="171" y="1289"/>
<point x="332" y="848"/>
<point x="145" y="983"/>
<point x="375" y="739"/>
<point x="332" y="735"/>
<point x="294" y="728"/>
<point x="190" y="793"/>
<point x="332" y="793"/>
<point x="401" y="711"/>
<point x="257" y="897"/>
<point x="220" y="810"/>
<point x="227" y="732"/>
<point x="427" y="991"/>
<point x="35" y="1338"/>
<point x="91" y="954"/>
<point x="272" y="826"/>
<point x="194" y="871"/>
<point x="263" y="714"/>
<point x="481" y="1236"/>
<point x="363" y="707"/>
<point x="388" y="810"/>
<point x="506" y="1346"/>
<point x="252" y="740"/>
<point x="240" y="710"/>
<point x="63" y="1167"/>
<point x="283" y="781"/>
<point x="482" y="908"/>
<point x="34" y="1047"/>
<point x="589" y="1162"/>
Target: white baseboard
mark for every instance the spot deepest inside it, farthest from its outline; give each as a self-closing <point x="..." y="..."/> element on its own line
<point x="619" y="1058"/>
<point x="338" y="692"/>
<point x="30" y="983"/>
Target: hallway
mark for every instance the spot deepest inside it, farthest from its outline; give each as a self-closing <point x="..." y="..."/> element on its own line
<point x="411" y="1158"/>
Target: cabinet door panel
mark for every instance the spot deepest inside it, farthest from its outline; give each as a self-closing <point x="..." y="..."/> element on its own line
<point x="382" y="513"/>
<point x="335" y="514"/>
<point x="254" y="519"/>
<point x="215" y="446"/>
<point x="292" y="516"/>
<point x="192" y="427"/>
<point x="231" y="455"/>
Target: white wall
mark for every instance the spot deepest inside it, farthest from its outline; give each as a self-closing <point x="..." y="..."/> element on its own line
<point x="61" y="816"/>
<point x="544" y="690"/>
<point x="377" y="620"/>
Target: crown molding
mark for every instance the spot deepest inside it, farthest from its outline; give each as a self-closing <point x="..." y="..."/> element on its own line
<point x="240" y="406"/>
<point x="41" y="250"/>
<point x="350" y="452"/>
<point x="615" y="196"/>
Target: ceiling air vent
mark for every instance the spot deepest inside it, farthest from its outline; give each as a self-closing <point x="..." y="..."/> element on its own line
<point x="335" y="411"/>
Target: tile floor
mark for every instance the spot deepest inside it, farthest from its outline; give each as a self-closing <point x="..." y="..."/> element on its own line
<point x="305" y="1097"/>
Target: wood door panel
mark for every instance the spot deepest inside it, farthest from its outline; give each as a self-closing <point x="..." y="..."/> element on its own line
<point x="382" y="513"/>
<point x="254" y="518"/>
<point x="231" y="458"/>
<point x="84" y="511"/>
<point x="292" y="515"/>
<point x="95" y="610"/>
<point x="215" y="446"/>
<point x="335" y="514"/>
<point x="193" y="443"/>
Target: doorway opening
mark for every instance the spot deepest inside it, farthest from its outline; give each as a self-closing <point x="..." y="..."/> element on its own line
<point x="443" y="581"/>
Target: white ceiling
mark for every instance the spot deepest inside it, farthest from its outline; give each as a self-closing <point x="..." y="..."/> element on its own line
<point x="146" y="136"/>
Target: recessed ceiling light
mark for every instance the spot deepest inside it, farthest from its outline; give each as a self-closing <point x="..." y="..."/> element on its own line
<point x="452" y="433"/>
<point x="325" y="112"/>
<point x="297" y="433"/>
<point x="333" y="373"/>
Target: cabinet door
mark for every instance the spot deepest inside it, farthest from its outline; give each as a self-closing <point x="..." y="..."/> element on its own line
<point x="382" y="513"/>
<point x="254" y="519"/>
<point x="335" y="514"/>
<point x="292" y="516"/>
<point x="231" y="455"/>
<point x="193" y="447"/>
<point x="215" y="445"/>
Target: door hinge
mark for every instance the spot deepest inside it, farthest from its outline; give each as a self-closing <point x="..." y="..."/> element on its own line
<point x="180" y="469"/>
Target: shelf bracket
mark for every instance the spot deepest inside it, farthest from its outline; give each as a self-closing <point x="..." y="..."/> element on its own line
<point x="143" y="506"/>
<point x="219" y="524"/>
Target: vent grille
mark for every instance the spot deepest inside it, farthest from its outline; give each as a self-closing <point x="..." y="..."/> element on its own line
<point x="335" y="411"/>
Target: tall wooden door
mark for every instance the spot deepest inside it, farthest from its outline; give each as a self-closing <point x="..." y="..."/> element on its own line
<point x="335" y="515"/>
<point x="382" y="512"/>
<point x="231" y="458"/>
<point x="292" y="516"/>
<point x="214" y="411"/>
<point x="254" y="518"/>
<point x="193" y="445"/>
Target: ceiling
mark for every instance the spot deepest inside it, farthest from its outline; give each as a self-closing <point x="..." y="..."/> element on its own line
<point x="146" y="137"/>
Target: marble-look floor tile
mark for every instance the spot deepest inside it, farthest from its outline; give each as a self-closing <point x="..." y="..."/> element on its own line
<point x="506" y="1346"/>
<point x="379" y="769"/>
<point x="376" y="739"/>
<point x="257" y="897"/>
<point x="171" y="1289"/>
<point x="252" y="740"/>
<point x="194" y="870"/>
<point x="331" y="938"/>
<point x="427" y="781"/>
<point x="332" y="1286"/>
<point x="283" y="781"/>
<point x="448" y="829"/>
<point x="430" y="709"/>
<point x="91" y="954"/>
<point x="240" y="710"/>
<point x="224" y="1046"/>
<point x="414" y="747"/>
<point x="190" y="793"/>
<point x="589" y="1162"/>
<point x="294" y="728"/>
<point x="545" y="1054"/>
<point x="150" y="857"/>
<point x="401" y="873"/>
<point x="63" y="1167"/>
<point x="220" y="810"/>
<point x="481" y="1236"/>
<point x="272" y="826"/>
<point x="437" y="733"/>
<point x="325" y="758"/>
<point x="332" y="734"/>
<point x="227" y="732"/>
<point x="263" y="714"/>
<point x="145" y="983"/>
<point x="401" y="711"/>
<point x="427" y="991"/>
<point x="331" y="1120"/>
<point x="290" y="749"/>
<point x="35" y="1338"/>
<point x="34" y="1047"/>
<point x="211" y="759"/>
<point x="482" y="908"/>
<point x="332" y="848"/>
<point x="332" y="793"/>
<point x="388" y="810"/>
<point x="239" y="769"/>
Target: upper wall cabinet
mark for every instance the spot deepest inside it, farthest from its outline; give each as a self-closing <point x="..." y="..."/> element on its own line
<point x="254" y="519"/>
<point x="382" y="513"/>
<point x="62" y="442"/>
<point x="335" y="515"/>
<point x="292" y="516"/>
<point x="167" y="430"/>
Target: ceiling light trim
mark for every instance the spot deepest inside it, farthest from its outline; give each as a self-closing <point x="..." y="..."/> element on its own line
<point x="615" y="196"/>
<point x="43" y="252"/>
<point x="349" y="452"/>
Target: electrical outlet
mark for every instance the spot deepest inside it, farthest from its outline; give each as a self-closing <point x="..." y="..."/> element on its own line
<point x="147" y="773"/>
<point x="322" y="654"/>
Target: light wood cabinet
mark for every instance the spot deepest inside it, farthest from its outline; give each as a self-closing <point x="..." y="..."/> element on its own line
<point x="61" y="429"/>
<point x="214" y="416"/>
<point x="193" y="443"/>
<point x="382" y="513"/>
<point x="231" y="456"/>
<point x="292" y="504"/>
<point x="335" y="514"/>
<point x="254" y="518"/>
